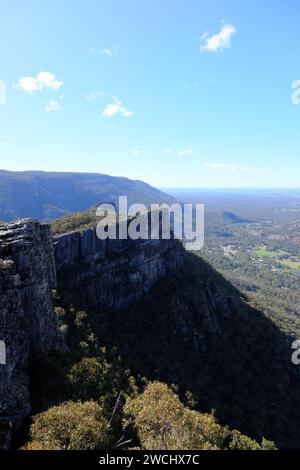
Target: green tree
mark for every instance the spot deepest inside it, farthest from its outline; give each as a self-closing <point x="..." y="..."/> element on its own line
<point x="162" y="422"/>
<point x="86" y="378"/>
<point x="71" y="426"/>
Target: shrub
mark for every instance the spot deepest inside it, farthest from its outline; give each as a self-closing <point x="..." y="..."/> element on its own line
<point x="71" y="426"/>
<point x="162" y="422"/>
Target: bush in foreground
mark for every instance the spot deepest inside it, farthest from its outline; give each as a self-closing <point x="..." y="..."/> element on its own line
<point x="162" y="422"/>
<point x="71" y="426"/>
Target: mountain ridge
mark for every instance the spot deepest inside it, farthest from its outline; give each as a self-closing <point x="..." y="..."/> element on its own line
<point x="50" y="195"/>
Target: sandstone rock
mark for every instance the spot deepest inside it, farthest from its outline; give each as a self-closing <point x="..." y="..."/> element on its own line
<point x="28" y="324"/>
<point x="112" y="274"/>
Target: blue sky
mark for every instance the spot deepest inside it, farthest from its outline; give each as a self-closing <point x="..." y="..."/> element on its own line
<point x="183" y="93"/>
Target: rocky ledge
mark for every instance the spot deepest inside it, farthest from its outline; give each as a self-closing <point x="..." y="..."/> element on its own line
<point x="98" y="274"/>
<point x="28" y="325"/>
<point x="112" y="274"/>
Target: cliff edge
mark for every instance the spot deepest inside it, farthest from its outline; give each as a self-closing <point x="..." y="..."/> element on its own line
<point x="28" y="326"/>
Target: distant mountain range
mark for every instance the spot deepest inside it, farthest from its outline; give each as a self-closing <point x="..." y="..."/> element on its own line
<point x="49" y="195"/>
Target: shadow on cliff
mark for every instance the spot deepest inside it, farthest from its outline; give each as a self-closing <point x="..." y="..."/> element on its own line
<point x="195" y="330"/>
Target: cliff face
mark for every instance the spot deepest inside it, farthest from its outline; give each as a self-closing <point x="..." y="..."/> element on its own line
<point x="112" y="274"/>
<point x="192" y="329"/>
<point x="27" y="322"/>
<point x="195" y="330"/>
<point x="98" y="274"/>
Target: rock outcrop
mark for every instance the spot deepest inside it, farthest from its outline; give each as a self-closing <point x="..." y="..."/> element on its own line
<point x="112" y="274"/>
<point x="98" y="274"/>
<point x="28" y="325"/>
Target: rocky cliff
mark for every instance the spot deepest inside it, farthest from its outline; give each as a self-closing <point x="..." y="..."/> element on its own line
<point x="97" y="274"/>
<point x="192" y="329"/>
<point x="112" y="274"/>
<point x="28" y="324"/>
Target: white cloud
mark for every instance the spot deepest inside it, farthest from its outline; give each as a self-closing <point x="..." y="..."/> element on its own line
<point x="52" y="106"/>
<point x="220" y="41"/>
<point x="168" y="151"/>
<point x="135" y="150"/>
<point x="153" y="137"/>
<point x="41" y="81"/>
<point x="95" y="95"/>
<point x="185" y="152"/>
<point x="3" y="144"/>
<point x="226" y="166"/>
<point x="108" y="52"/>
<point x="112" y="109"/>
<point x="92" y="50"/>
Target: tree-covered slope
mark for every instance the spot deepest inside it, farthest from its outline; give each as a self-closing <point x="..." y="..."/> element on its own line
<point x="47" y="196"/>
<point x="195" y="331"/>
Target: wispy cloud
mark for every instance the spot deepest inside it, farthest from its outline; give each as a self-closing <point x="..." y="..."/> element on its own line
<point x="52" y="106"/>
<point x="41" y="81"/>
<point x="168" y="151"/>
<point x="112" y="109"/>
<point x="220" y="41"/>
<point x="153" y="137"/>
<point x="110" y="51"/>
<point x="191" y="85"/>
<point x="136" y="150"/>
<point x="107" y="51"/>
<point x="185" y="152"/>
<point x="226" y="166"/>
<point x="3" y="144"/>
<point x="95" y="95"/>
